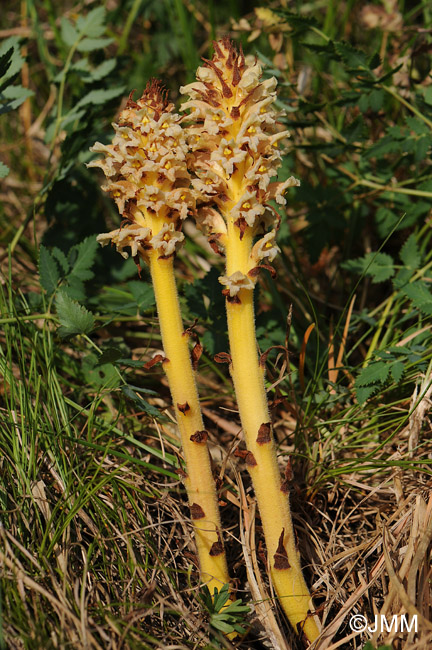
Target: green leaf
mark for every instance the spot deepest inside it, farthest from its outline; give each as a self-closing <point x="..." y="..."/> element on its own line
<point x="100" y="375"/>
<point x="16" y="61"/>
<point x="48" y="270"/>
<point x="75" y="288"/>
<point x="215" y="622"/>
<point x="379" y="266"/>
<point x="416" y="125"/>
<point x="6" y="61"/>
<point x="386" y="221"/>
<point x="364" y="392"/>
<point x="97" y="97"/>
<point x="82" y="257"/>
<point x="143" y="294"/>
<point x="387" y="144"/>
<point x="221" y="598"/>
<point x="421" y="147"/>
<point x="410" y="253"/>
<point x="91" y="44"/>
<point x="97" y="73"/>
<point x="73" y="317"/>
<point x="14" y="96"/>
<point x="4" y="170"/>
<point x="420" y="295"/>
<point x="376" y="371"/>
<point x="376" y="99"/>
<point x="397" y="369"/>
<point x="68" y="32"/>
<point x="297" y="20"/>
<point x="352" y="57"/>
<point x="140" y="402"/>
<point x="61" y="258"/>
<point x="93" y="24"/>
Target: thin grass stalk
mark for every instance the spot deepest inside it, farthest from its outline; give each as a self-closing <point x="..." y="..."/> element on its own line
<point x="234" y="138"/>
<point x="147" y="176"/>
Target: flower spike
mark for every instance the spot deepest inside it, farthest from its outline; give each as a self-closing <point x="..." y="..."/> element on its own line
<point x="234" y="141"/>
<point x="146" y="172"/>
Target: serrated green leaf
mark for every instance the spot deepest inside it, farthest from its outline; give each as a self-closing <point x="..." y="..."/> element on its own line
<point x="354" y="131"/>
<point x="6" y="61"/>
<point x="93" y="24"/>
<point x="376" y="371"/>
<point x="410" y="253"/>
<point x="376" y="99"/>
<point x="98" y="73"/>
<point x="14" y="96"/>
<point x="297" y="20"/>
<point x="4" y="170"/>
<point x="91" y="44"/>
<point x="420" y="295"/>
<point x="386" y="220"/>
<point x="143" y="294"/>
<point x="421" y="147"/>
<point x="75" y="289"/>
<point x="363" y="393"/>
<point x="16" y="60"/>
<point x="73" y="317"/>
<point x="82" y="257"/>
<point x="61" y="258"/>
<point x="427" y="95"/>
<point x="387" y="144"/>
<point x="379" y="266"/>
<point x="397" y="369"/>
<point x="48" y="270"/>
<point x="97" y="97"/>
<point x="416" y="125"/>
<point x="351" y="56"/>
<point x="68" y="32"/>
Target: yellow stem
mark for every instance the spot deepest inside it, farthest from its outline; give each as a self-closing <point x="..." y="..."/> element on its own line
<point x="271" y="494"/>
<point x="199" y="483"/>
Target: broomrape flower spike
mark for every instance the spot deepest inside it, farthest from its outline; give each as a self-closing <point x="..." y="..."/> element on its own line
<point x="233" y="137"/>
<point x="145" y="168"/>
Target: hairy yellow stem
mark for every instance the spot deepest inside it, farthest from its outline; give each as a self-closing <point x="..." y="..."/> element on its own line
<point x="271" y="494"/>
<point x="199" y="483"/>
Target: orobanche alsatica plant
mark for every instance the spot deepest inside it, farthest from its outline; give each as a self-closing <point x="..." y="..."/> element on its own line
<point x="233" y="137"/>
<point x="146" y="172"/>
<point x="219" y="167"/>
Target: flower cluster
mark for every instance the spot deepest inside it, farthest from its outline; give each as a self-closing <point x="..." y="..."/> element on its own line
<point x="233" y="136"/>
<point x="146" y="172"/>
